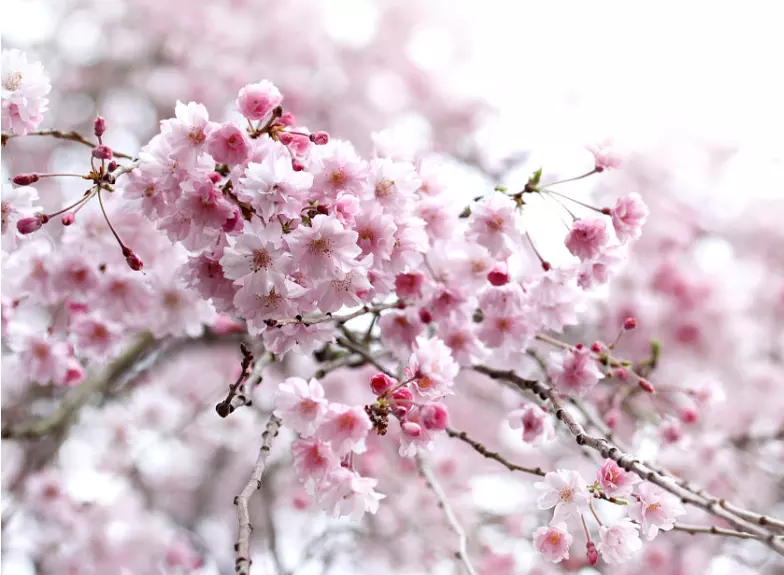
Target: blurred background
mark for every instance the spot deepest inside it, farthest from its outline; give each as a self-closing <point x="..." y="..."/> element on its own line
<point x="692" y="93"/>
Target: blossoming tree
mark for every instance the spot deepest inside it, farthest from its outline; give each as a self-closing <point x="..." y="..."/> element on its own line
<point x="248" y="347"/>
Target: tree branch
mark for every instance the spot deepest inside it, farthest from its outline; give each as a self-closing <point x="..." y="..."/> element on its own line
<point x="705" y="501"/>
<point x="462" y="553"/>
<point x="242" y="548"/>
<point x="70" y="136"/>
<point x="479" y="448"/>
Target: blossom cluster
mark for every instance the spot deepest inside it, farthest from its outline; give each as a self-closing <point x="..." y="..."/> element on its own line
<point x="652" y="509"/>
<point x="23" y="93"/>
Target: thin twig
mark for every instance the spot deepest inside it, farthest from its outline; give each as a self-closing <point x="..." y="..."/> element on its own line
<point x="479" y="448"/>
<point x="340" y="319"/>
<point x="362" y="352"/>
<point x="242" y="562"/>
<point x="70" y="136"/>
<point x="713" y="530"/>
<point x="462" y="553"/>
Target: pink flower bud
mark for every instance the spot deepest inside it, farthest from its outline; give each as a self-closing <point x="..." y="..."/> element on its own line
<point x="26" y="179"/>
<point x="215" y="177"/>
<point x="411" y="429"/>
<point x="286" y="138"/>
<point x="134" y="262"/>
<point x="499" y="275"/>
<point x="31" y="224"/>
<point x="401" y="401"/>
<point x="102" y="152"/>
<point x="112" y="166"/>
<point x="287" y="119"/>
<point x="621" y="373"/>
<point x="425" y="316"/>
<point x="435" y="416"/>
<point x="301" y="501"/>
<point x="77" y="307"/>
<point x="381" y="383"/>
<point x="68" y="219"/>
<point x="630" y="323"/>
<point x="296" y="165"/>
<point x="99" y="126"/>
<point x="597" y="347"/>
<point x="646" y="385"/>
<point x="689" y="415"/>
<point x="75" y="373"/>
<point x="319" y="138"/>
<point x="671" y="431"/>
<point x="592" y="553"/>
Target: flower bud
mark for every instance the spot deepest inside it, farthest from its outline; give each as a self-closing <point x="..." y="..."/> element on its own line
<point x="411" y="429"/>
<point x="630" y="323"/>
<point x="689" y="415"/>
<point x="75" y="373"/>
<point x="31" y="224"/>
<point x="25" y="179"/>
<point x="102" y="152"/>
<point x="381" y="383"/>
<point x="646" y="385"/>
<point x="287" y="119"/>
<point x="286" y="138"/>
<point x="435" y="416"/>
<point x="621" y="373"/>
<point x="134" y="262"/>
<point x="499" y="275"/>
<point x="425" y="316"/>
<point x="592" y="553"/>
<point x="214" y="177"/>
<point x="68" y="219"/>
<point x="319" y="138"/>
<point x="401" y="401"/>
<point x="296" y="165"/>
<point x="99" y="126"/>
<point x="612" y="417"/>
<point x="597" y="347"/>
<point x="112" y="166"/>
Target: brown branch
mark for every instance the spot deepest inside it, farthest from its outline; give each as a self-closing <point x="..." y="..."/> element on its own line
<point x="363" y="353"/>
<point x="713" y="530"/>
<point x="242" y="547"/>
<point x="462" y="553"/>
<point x="70" y="136"/>
<point x="704" y="501"/>
<point x="80" y="395"/>
<point x="481" y="449"/>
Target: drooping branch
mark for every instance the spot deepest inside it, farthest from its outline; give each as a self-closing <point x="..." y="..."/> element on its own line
<point x="243" y="561"/>
<point x="704" y="501"/>
<point x="713" y="530"/>
<point x="462" y="553"/>
<point x="481" y="449"/>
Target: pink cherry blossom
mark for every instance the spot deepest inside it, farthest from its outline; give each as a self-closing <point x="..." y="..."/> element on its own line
<point x="435" y="416"/>
<point x="227" y="144"/>
<point x="347" y="493"/>
<point x="314" y="460"/>
<point x="553" y="542"/>
<point x="565" y="490"/>
<point x="655" y="509"/>
<point x="22" y="92"/>
<point x="345" y="428"/>
<point x="604" y="155"/>
<point x="615" y="481"/>
<point x="301" y="405"/>
<point x="628" y="217"/>
<point x="587" y="238"/>
<point x="536" y="423"/>
<point x="256" y="101"/>
<point x="325" y="249"/>
<point x="620" y="541"/>
<point x="495" y="225"/>
<point x="432" y="367"/>
<point x="574" y="371"/>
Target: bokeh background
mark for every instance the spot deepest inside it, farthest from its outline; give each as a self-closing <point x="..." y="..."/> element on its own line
<point x="497" y="89"/>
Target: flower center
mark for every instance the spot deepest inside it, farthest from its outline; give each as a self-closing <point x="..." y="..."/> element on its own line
<point x="337" y="178"/>
<point x="261" y="260"/>
<point x="566" y="494"/>
<point x="384" y="188"/>
<point x="320" y="247"/>
<point x="13" y="82"/>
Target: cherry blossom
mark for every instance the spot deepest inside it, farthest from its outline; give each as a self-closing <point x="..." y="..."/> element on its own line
<point x="24" y="87"/>
<point x="301" y="404"/>
<point x="553" y="542"/>
<point x="535" y="422"/>
<point x="620" y="541"/>
<point x="655" y="509"/>
<point x="574" y="371"/>
<point x="565" y="490"/>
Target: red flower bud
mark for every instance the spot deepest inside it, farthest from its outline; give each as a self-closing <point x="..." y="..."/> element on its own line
<point x="134" y="262"/>
<point x="381" y="383"/>
<point x="31" y="224"/>
<point x="630" y="323"/>
<point x="646" y="385"/>
<point x="319" y="138"/>
<point x="68" y="219"/>
<point x="285" y="138"/>
<point x="592" y="553"/>
<point x="25" y="179"/>
<point x="296" y="165"/>
<point x="425" y="316"/>
<point x="99" y="126"/>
